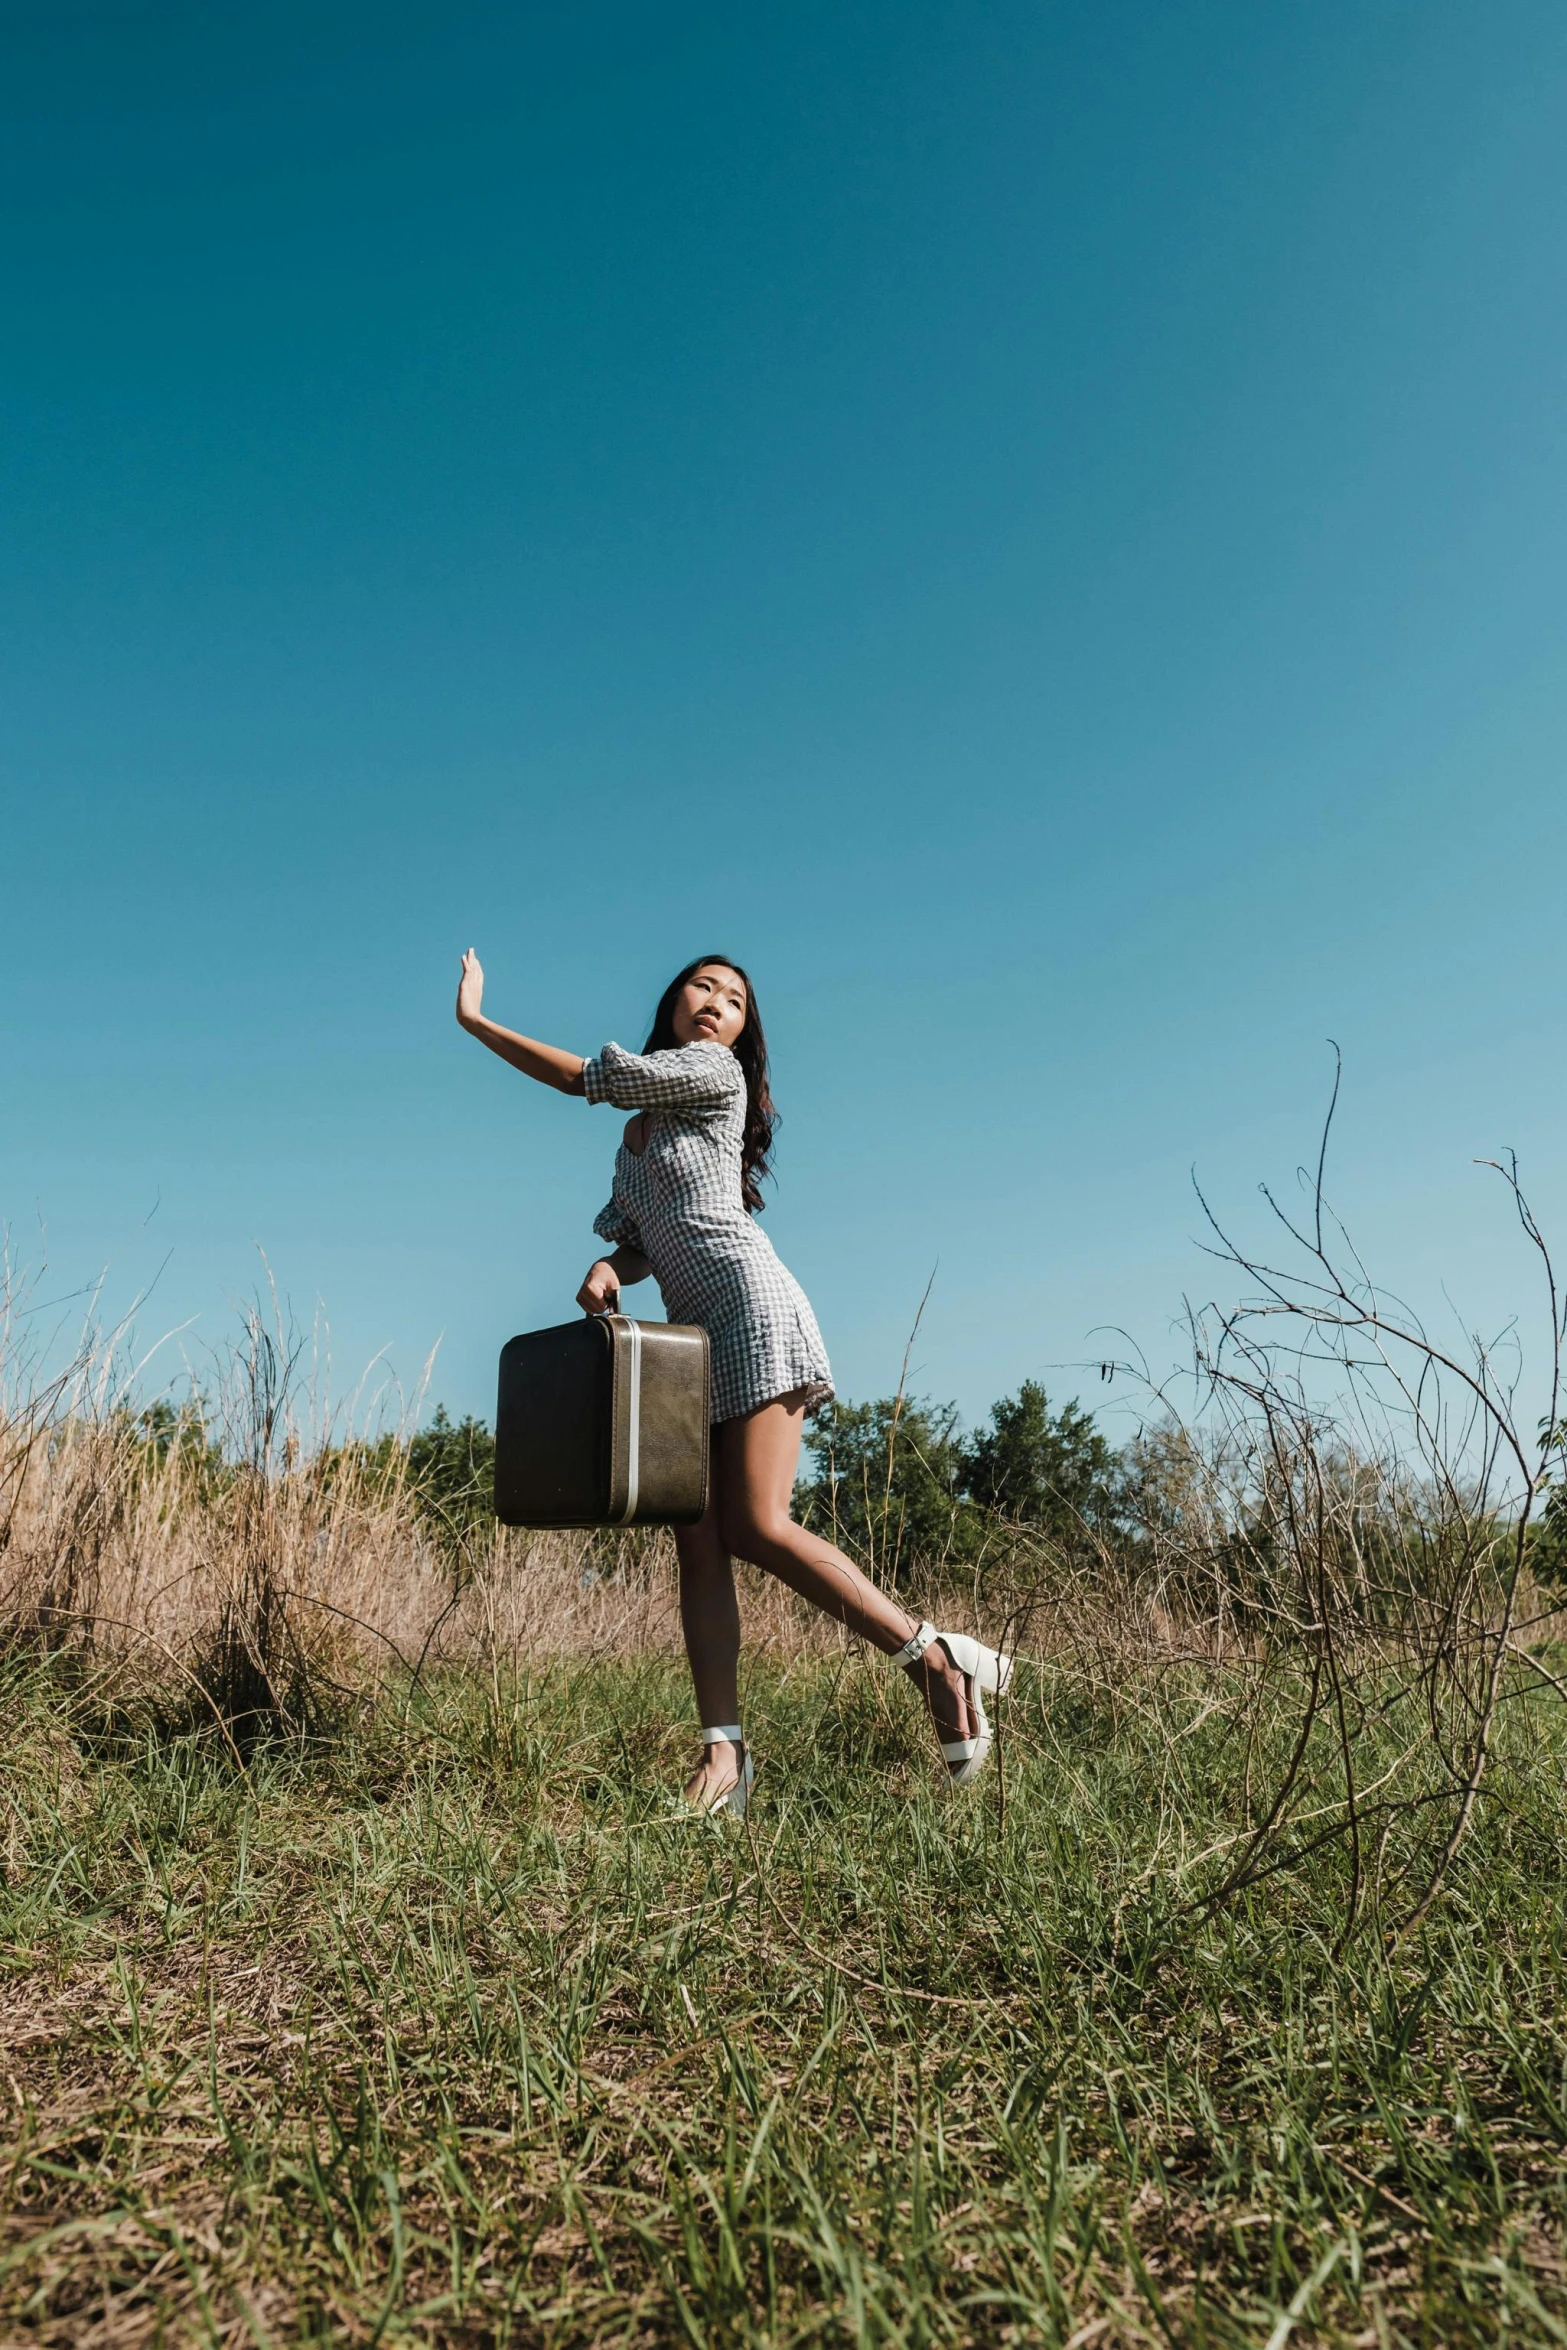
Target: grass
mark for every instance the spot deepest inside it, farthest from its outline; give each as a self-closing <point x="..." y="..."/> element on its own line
<point x="446" y="2031"/>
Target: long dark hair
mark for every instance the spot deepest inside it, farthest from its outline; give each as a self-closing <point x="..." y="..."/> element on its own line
<point x="750" y="1050"/>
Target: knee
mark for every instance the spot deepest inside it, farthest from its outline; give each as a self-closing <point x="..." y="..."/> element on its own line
<point x="752" y="1534"/>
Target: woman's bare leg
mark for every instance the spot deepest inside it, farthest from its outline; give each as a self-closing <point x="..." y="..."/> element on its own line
<point x="710" y="1620"/>
<point x="757" y="1459"/>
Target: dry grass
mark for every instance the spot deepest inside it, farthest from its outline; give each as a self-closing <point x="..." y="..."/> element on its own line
<point x="302" y="1563"/>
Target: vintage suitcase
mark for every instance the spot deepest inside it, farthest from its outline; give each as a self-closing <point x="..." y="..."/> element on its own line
<point x="603" y="1422"/>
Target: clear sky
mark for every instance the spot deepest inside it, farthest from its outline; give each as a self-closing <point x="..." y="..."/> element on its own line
<point x="1040" y="528"/>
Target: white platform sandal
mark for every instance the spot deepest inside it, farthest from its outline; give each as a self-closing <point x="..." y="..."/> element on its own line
<point x="987" y="1675"/>
<point x="733" y="1799"/>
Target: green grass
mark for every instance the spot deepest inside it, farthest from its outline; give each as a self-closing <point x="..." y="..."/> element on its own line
<point x="448" y="2033"/>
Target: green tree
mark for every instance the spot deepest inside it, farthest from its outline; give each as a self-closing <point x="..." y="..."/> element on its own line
<point x="1547" y="1548"/>
<point x="1042" y="1468"/>
<point x="451" y="1474"/>
<point x="888" y="1483"/>
<point x="165" y="1433"/>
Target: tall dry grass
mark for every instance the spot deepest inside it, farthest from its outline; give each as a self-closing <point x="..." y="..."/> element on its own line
<point x="257" y="1552"/>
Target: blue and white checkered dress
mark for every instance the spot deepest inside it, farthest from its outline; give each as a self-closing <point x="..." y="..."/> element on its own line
<point x="679" y="1203"/>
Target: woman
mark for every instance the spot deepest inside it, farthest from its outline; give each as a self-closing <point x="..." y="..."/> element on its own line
<point x="687" y="1187"/>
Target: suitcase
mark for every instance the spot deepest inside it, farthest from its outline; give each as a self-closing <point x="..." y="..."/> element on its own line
<point x="603" y="1422"/>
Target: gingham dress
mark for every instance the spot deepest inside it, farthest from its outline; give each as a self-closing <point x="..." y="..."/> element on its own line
<point x="679" y="1203"/>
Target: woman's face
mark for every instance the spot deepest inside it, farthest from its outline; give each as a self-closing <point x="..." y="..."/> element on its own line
<point x="710" y="1008"/>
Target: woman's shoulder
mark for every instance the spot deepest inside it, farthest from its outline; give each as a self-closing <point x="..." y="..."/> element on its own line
<point x="714" y="1064"/>
<point x="705" y="1054"/>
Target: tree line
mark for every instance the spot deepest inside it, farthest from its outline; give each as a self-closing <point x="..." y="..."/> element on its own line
<point x="899" y="1482"/>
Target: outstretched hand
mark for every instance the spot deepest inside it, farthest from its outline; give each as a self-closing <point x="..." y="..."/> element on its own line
<point x="470" y="987"/>
<point x="546" y="1062"/>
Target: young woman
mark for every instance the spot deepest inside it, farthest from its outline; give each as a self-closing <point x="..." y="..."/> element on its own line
<point x="687" y="1188"/>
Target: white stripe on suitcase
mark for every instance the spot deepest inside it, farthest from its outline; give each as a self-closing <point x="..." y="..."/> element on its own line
<point x="633" y="1424"/>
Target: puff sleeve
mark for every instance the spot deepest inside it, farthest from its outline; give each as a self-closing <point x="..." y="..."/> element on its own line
<point x="691" y="1077"/>
<point x="617" y="1225"/>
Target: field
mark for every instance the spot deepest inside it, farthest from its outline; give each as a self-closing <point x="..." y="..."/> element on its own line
<point x="364" y="1983"/>
<point x="442" y="2028"/>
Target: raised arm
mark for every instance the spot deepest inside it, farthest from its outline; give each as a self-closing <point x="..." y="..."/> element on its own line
<point x="546" y="1062"/>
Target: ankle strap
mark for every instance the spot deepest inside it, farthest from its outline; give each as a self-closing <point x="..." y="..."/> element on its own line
<point x="914" y="1648"/>
<point x="729" y="1733"/>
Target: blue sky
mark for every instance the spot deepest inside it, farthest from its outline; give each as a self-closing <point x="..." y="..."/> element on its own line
<point x="1041" y="529"/>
